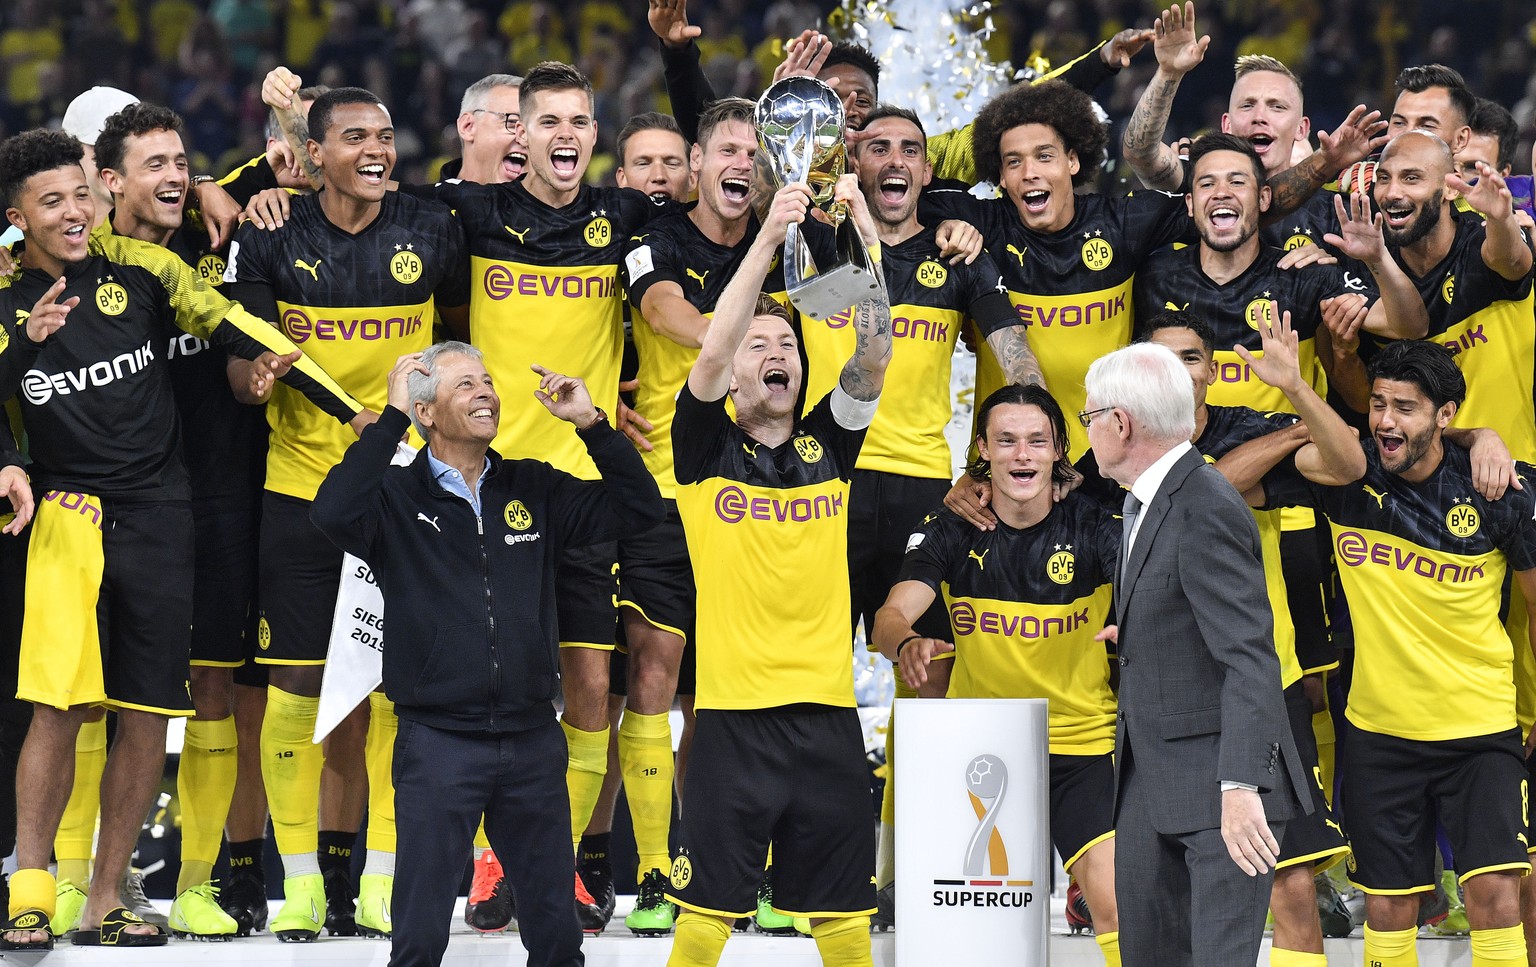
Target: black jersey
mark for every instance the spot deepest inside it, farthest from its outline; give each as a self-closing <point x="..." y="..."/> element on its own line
<point x="672" y="249"/>
<point x="767" y="531"/>
<point x="930" y="300"/>
<point x="1424" y="567"/>
<point x="1025" y="606"/>
<point x="1174" y="280"/>
<point x="1484" y="319"/>
<point x="1072" y="288"/>
<point x="1307" y="225"/>
<point x="223" y="441"/>
<point x="544" y="289"/>
<point x="96" y="397"/>
<point x="249" y="180"/>
<point x="353" y="303"/>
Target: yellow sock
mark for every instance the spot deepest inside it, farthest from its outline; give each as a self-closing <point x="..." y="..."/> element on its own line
<point x="1280" y="957"/>
<point x="33" y="890"/>
<point x="844" y="942"/>
<point x="73" y="843"/>
<point x="482" y="841"/>
<point x="1109" y="946"/>
<point x="291" y="762"/>
<point x="698" y="940"/>
<point x="1498" y="948"/>
<point x="1391" y="948"/>
<point x="645" y="759"/>
<point x="379" y="754"/>
<point x="586" y="764"/>
<point x="205" y="784"/>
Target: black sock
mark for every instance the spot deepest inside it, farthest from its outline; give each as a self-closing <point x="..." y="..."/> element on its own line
<point x="594" y="853"/>
<point x="336" y="850"/>
<point x="245" y="858"/>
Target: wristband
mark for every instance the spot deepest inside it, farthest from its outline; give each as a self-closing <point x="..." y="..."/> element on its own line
<point x="903" y="643"/>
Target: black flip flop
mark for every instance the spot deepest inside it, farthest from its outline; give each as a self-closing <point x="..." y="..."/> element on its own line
<point x="114" y="934"/>
<point x="28" y="920"/>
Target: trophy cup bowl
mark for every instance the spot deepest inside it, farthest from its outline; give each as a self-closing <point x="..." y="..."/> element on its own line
<point x="800" y="138"/>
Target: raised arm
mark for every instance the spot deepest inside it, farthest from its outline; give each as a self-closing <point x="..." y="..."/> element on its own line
<point x="280" y="92"/>
<point x="1361" y="134"/>
<point x="1334" y="455"/>
<point x="863" y="375"/>
<point x="1400" y="312"/>
<point x="1178" y="52"/>
<point x="710" y="377"/>
<point x="1506" y="250"/>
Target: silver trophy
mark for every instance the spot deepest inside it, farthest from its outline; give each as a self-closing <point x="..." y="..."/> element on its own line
<point x="800" y="137"/>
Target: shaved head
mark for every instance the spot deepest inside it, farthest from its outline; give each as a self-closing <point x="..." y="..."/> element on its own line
<point x="1423" y="146"/>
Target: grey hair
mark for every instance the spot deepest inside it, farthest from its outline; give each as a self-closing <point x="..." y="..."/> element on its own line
<point x="475" y="94"/>
<point x="1148" y="382"/>
<point x="423" y="386"/>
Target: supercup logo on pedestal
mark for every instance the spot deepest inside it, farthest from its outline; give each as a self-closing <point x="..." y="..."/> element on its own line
<point x="972" y="846"/>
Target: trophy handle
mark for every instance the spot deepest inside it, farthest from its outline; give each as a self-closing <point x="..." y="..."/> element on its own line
<point x="799" y="264"/>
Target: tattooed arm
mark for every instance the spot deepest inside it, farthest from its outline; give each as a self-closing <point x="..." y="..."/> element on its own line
<point x="1361" y="134"/>
<point x="280" y="92"/>
<point x="863" y="375"/>
<point x="1178" y="52"/>
<point x="1011" y="347"/>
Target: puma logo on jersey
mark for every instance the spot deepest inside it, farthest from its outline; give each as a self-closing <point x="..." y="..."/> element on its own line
<point x="430" y="520"/>
<point x="751" y="449"/>
<point x="313" y="270"/>
<point x="694" y="275"/>
<point x="1335" y="826"/>
<point x="980" y="559"/>
<point x="1372" y="491"/>
<point x="1175" y="306"/>
<point x="1017" y="252"/>
<point x="520" y="236"/>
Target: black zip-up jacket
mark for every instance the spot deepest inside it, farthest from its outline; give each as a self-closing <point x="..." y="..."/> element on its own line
<point x="472" y="643"/>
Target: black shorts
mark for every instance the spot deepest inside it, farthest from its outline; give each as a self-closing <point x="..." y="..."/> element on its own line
<point x="224" y="590"/>
<point x="139" y="656"/>
<point x="1317" y="837"/>
<point x="300" y="575"/>
<point x="795" y="777"/>
<point x="587" y="596"/>
<point x="1082" y="803"/>
<point x="883" y="510"/>
<point x="656" y="577"/>
<point x="1395" y="789"/>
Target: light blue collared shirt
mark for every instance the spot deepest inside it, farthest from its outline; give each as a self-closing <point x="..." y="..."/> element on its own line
<point x="453" y="481"/>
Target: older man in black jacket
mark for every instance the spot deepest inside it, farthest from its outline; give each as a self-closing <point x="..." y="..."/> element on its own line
<point x="463" y="545"/>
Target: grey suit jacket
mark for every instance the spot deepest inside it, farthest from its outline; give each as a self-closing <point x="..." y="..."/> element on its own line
<point x="1200" y="696"/>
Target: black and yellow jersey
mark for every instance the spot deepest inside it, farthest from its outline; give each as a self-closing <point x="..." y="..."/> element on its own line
<point x="930" y="300"/>
<point x="1485" y="321"/>
<point x="544" y="289"/>
<point x="672" y="249"/>
<point x="250" y="179"/>
<point x="353" y="303"/>
<point x="1025" y="606"/>
<point x="1423" y="566"/>
<point x="1307" y="225"/>
<point x="1072" y="288"/>
<point x="96" y="398"/>
<point x="767" y="531"/>
<point x="1227" y="428"/>
<point x="1175" y="280"/>
<point x="223" y="441"/>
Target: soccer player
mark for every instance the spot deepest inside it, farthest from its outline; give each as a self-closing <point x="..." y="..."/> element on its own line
<point x="904" y="467"/>
<point x="97" y="404"/>
<point x="1492" y="141"/>
<point x="1046" y="562"/>
<point x="143" y="164"/>
<point x="354" y="275"/>
<point x="779" y="747"/>
<point x="675" y="271"/>
<point x="653" y="158"/>
<point x="1433" y="98"/>
<point x="1423" y="558"/>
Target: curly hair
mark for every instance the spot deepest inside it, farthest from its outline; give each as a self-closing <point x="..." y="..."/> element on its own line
<point x="131" y="121"/>
<point x="31" y="153"/>
<point x="1055" y="104"/>
<point x="855" y="55"/>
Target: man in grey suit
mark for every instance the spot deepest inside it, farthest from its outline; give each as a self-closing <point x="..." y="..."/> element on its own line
<point x="1207" y="770"/>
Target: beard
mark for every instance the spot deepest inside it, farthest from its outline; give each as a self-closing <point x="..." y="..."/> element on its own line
<point x="1412" y="451"/>
<point x="1422" y="225"/>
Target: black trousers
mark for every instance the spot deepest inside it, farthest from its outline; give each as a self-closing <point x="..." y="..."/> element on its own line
<point x="443" y="782"/>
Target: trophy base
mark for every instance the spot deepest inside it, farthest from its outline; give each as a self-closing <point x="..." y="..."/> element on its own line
<point x="825" y="295"/>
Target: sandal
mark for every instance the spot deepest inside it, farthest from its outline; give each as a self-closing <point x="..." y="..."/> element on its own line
<point x="28" y="920"/>
<point x="113" y="932"/>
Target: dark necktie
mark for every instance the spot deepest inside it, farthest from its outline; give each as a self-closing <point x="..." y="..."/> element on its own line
<point x="1128" y="522"/>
